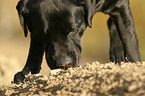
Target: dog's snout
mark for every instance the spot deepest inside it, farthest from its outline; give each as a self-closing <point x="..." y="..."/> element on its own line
<point x="67" y="61"/>
<point x="64" y="61"/>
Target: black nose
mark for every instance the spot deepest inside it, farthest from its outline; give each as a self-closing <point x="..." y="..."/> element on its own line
<point x="64" y="62"/>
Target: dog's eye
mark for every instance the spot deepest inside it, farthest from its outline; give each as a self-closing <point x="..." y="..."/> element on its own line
<point x="72" y="30"/>
<point x="70" y="34"/>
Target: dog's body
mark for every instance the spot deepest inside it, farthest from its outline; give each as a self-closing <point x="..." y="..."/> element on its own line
<point x="57" y="26"/>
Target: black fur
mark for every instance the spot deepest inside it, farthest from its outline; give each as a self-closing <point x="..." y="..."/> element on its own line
<point x="56" y="28"/>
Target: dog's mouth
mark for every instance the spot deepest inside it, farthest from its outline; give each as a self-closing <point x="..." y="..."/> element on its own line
<point x="65" y="67"/>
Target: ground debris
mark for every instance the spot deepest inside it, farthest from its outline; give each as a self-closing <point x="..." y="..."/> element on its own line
<point x="89" y="80"/>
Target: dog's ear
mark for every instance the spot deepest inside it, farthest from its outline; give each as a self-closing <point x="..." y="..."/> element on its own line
<point x="23" y="24"/>
<point x="22" y="18"/>
<point x="88" y="16"/>
<point x="88" y="6"/>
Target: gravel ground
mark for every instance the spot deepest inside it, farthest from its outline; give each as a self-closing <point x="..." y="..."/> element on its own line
<point x="92" y="79"/>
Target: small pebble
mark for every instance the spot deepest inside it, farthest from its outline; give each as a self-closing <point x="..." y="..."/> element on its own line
<point x="55" y="71"/>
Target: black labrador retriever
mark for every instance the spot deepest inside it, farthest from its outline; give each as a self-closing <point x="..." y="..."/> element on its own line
<point x="56" y="28"/>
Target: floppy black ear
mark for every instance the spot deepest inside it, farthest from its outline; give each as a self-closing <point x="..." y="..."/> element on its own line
<point x="22" y="18"/>
<point x="89" y="10"/>
<point x="23" y="24"/>
<point x="89" y="17"/>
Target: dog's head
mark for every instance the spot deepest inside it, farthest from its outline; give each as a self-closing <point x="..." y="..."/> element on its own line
<point x="61" y="23"/>
<point x="64" y="33"/>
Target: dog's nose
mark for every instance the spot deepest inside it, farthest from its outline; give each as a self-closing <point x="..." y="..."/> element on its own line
<point x="64" y="62"/>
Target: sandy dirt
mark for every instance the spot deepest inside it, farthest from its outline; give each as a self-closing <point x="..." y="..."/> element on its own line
<point x="91" y="79"/>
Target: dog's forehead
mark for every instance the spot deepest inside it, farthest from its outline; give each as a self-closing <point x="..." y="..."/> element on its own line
<point x="59" y="7"/>
<point x="55" y="5"/>
<point x="54" y="16"/>
<point x="61" y="16"/>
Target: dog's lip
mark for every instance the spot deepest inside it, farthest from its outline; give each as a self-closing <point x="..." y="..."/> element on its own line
<point x="66" y="66"/>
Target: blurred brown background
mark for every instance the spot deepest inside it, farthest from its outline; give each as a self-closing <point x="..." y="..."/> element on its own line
<point x="95" y="42"/>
